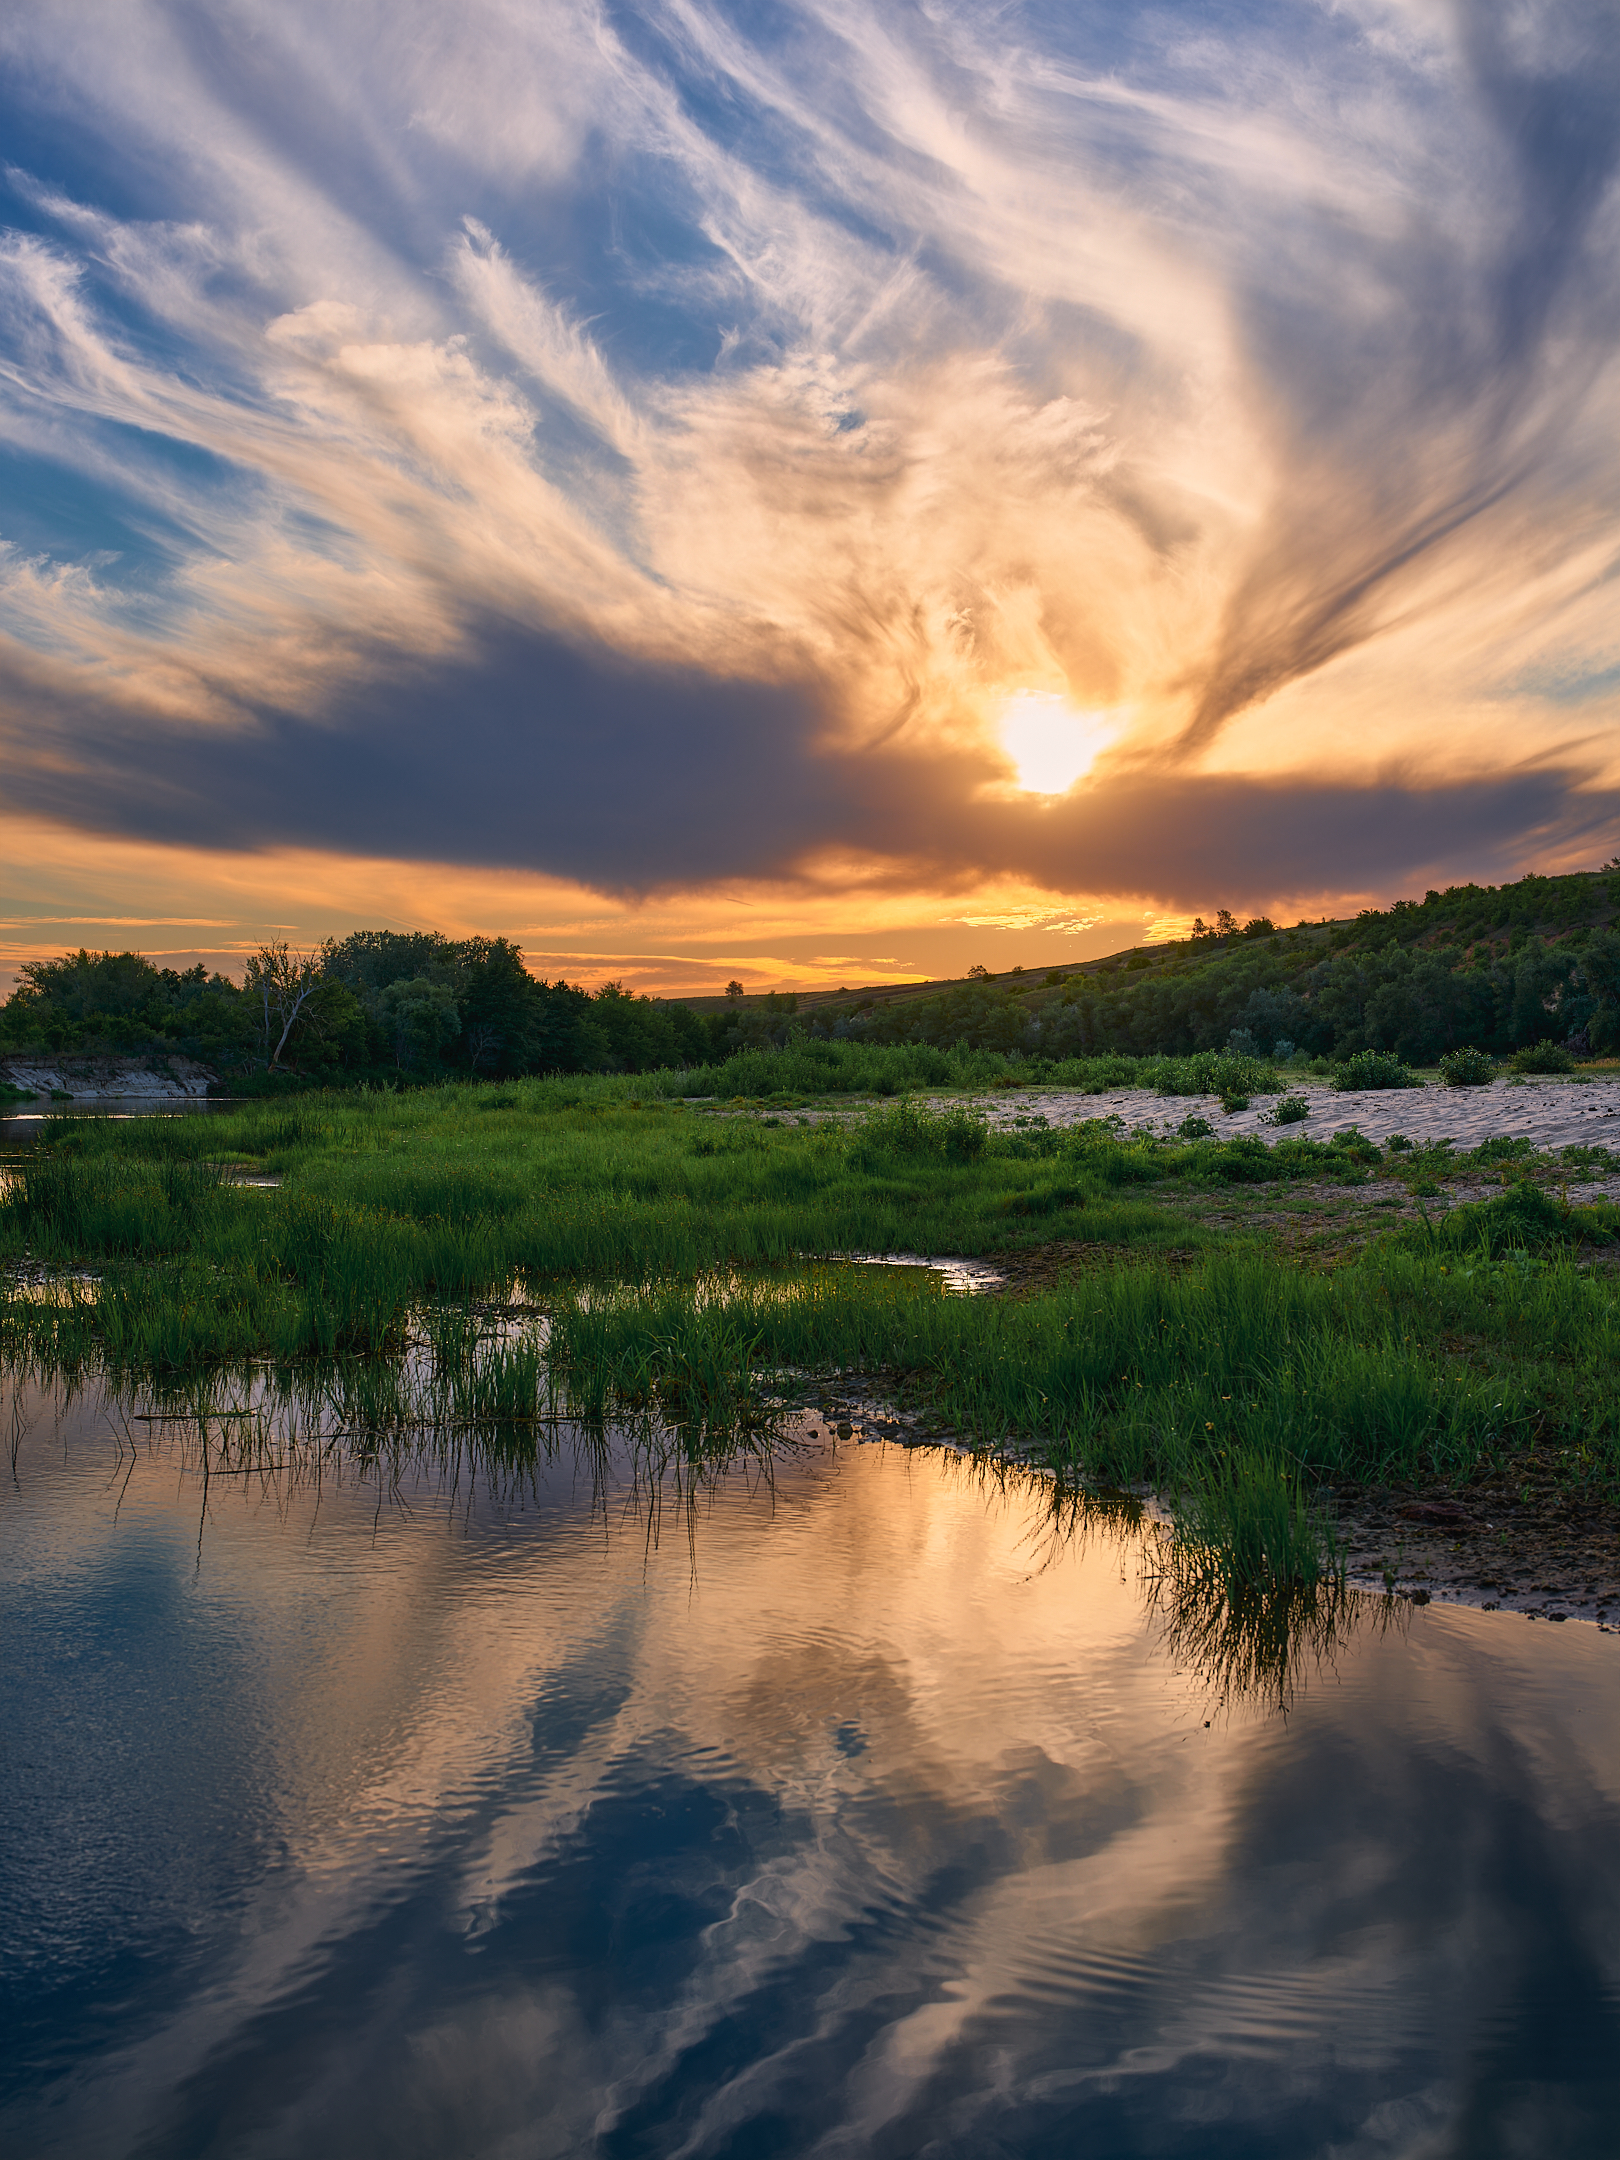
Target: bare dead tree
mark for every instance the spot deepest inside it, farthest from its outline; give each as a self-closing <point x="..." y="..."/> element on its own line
<point x="281" y="983"/>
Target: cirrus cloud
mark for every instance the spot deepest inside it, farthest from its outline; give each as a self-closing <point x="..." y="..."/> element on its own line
<point x="649" y="446"/>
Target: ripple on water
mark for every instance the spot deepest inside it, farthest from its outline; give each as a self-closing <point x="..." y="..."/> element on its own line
<point x="614" y="1805"/>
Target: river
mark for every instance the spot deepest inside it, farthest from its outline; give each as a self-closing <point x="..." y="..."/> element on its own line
<point x="846" y="1803"/>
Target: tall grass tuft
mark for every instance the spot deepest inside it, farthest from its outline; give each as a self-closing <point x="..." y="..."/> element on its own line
<point x="1244" y="1518"/>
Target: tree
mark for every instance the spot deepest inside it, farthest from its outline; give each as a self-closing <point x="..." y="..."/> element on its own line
<point x="1225" y="923"/>
<point x="641" y="1034"/>
<point x="734" y="990"/>
<point x="280" y="983"/>
<point x="367" y="961"/>
<point x="84" y="984"/>
<point x="500" y="1005"/>
<point x="418" y="1017"/>
<point x="567" y="1037"/>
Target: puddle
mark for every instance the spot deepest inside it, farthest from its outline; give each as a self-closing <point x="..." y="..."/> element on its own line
<point x="55" y="1289"/>
<point x="970" y="1278"/>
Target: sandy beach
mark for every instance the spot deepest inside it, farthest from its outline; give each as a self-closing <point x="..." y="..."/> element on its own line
<point x="1576" y="1112"/>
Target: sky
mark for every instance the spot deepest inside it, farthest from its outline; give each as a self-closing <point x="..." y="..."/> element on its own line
<point x="821" y="494"/>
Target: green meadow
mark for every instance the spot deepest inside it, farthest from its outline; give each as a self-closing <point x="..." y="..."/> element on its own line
<point x="542" y="1249"/>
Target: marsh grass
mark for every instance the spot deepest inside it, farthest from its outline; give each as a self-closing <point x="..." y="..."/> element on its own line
<point x="670" y="1251"/>
<point x="1245" y="1515"/>
<point x="385" y="1201"/>
<point x="1139" y="1374"/>
<point x="1259" y="1642"/>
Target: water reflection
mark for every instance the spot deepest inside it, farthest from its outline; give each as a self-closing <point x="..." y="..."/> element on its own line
<point x="815" y="1801"/>
<point x="22" y="1122"/>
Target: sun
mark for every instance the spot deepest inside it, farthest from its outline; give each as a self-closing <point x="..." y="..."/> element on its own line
<point x="1050" y="743"/>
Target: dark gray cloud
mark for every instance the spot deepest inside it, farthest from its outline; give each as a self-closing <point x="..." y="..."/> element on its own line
<point x="529" y="752"/>
<point x="525" y="751"/>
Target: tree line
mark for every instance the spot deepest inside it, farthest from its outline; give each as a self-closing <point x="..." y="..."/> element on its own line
<point x="377" y="1004"/>
<point x="1493" y="968"/>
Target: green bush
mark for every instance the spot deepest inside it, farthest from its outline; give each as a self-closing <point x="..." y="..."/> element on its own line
<point x="1543" y="1058"/>
<point x="1522" y="1220"/>
<point x="912" y="1129"/>
<point x="1374" y="1069"/>
<point x="1195" y="1128"/>
<point x="1292" y="1110"/>
<point x="1467" y="1068"/>
<point x="1356" y="1145"/>
<point x="1206" y="1072"/>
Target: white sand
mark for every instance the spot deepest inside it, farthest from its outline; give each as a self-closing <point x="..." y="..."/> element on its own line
<point x="1549" y="1113"/>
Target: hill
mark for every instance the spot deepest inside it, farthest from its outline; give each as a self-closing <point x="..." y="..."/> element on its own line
<point x="1495" y="967"/>
<point x="1500" y="968"/>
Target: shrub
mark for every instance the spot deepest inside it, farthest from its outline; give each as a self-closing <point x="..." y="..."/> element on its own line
<point x="1374" y="1069"/>
<point x="911" y="1129"/>
<point x="1292" y="1110"/>
<point x="1543" y="1058"/>
<point x="1195" y="1128"/>
<point x="1467" y="1068"/>
<point x="1356" y="1145"/>
<point x="1522" y="1220"/>
<point x="1048" y="1200"/>
<point x="1232" y="1102"/>
<point x="1206" y="1072"/>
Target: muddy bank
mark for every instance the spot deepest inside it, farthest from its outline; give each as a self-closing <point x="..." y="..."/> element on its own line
<point x="1520" y="1542"/>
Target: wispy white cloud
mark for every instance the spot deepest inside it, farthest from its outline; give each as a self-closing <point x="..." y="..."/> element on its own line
<point x="898" y="359"/>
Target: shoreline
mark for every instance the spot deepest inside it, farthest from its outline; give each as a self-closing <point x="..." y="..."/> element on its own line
<point x="1531" y="1551"/>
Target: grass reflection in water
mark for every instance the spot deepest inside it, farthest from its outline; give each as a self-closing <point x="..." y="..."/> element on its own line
<point x="479" y="1407"/>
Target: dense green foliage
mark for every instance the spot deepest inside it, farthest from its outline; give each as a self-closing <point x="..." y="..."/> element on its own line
<point x="1529" y="971"/>
<point x="383" y="1004"/>
<point x="118" y="1002"/>
<point x="1495" y="968"/>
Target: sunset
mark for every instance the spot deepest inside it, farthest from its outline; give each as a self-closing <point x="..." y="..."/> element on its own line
<point x="656" y="485"/>
<point x="810" y="1079"/>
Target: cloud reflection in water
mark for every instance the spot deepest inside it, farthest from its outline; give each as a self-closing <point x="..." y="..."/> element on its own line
<point x="858" y="1813"/>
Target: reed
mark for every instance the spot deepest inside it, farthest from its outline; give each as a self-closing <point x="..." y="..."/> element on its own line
<point x="673" y="1253"/>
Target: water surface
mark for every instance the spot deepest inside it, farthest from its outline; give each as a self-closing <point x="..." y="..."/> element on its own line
<point x="846" y="1810"/>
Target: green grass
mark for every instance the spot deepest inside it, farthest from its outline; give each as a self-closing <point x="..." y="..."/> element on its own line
<point x="387" y="1200"/>
<point x="808" y="1068"/>
<point x="675" y="1254"/>
<point x="1137" y="1372"/>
